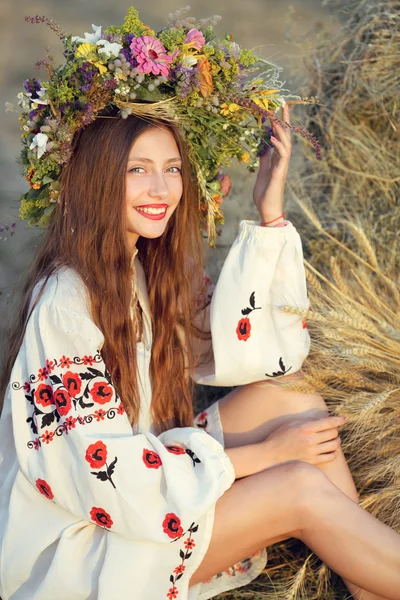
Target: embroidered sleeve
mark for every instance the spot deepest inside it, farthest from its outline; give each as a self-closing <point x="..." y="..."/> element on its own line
<point x="76" y="446"/>
<point x="252" y="338"/>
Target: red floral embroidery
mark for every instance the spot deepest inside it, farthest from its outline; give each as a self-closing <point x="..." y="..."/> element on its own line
<point x="172" y="526"/>
<point x="189" y="543"/>
<point x="101" y="517"/>
<point x="62" y="400"/>
<point x="100" y="414"/>
<point x="202" y="416"/>
<point x="27" y="386"/>
<point x="102" y="392"/>
<point x="175" y="449"/>
<point x="151" y="459"/>
<point x="88" y="360"/>
<point x="36" y="444"/>
<point x="120" y="409"/>
<point x="50" y="366"/>
<point x="44" y="395"/>
<point x="96" y="455"/>
<point x="47" y="436"/>
<point x="70" y="422"/>
<point x="304" y="324"/>
<point x="179" y="569"/>
<point x="73" y="383"/>
<point x="44" y="488"/>
<point x="65" y="362"/>
<point x="43" y="374"/>
<point x="184" y="555"/>
<point x="243" y="329"/>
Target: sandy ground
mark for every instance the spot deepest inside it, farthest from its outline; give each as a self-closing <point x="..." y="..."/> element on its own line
<point x="254" y="23"/>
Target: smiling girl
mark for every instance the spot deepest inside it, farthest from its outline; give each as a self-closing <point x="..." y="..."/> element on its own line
<point x="110" y="486"/>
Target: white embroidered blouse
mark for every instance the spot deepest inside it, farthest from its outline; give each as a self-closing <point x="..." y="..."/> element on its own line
<point x="93" y="509"/>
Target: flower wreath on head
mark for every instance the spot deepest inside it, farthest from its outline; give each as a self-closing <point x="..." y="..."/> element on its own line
<point x="217" y="93"/>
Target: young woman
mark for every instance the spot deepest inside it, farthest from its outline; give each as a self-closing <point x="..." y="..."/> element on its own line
<point x="108" y="487"/>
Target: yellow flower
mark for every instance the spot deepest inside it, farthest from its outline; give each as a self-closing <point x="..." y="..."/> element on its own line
<point x="245" y="157"/>
<point x="260" y="97"/>
<point x="88" y="52"/>
<point x="206" y="83"/>
<point x="229" y="109"/>
<point x="148" y="31"/>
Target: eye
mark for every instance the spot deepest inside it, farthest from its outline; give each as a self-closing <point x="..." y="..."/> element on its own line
<point x="136" y="170"/>
<point x="177" y="169"/>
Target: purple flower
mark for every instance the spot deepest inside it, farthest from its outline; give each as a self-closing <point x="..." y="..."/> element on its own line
<point x="128" y="55"/>
<point x="32" y="86"/>
<point x="187" y="79"/>
<point x="151" y="55"/>
<point x="195" y="39"/>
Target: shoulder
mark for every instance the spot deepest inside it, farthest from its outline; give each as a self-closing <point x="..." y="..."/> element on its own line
<point x="65" y="290"/>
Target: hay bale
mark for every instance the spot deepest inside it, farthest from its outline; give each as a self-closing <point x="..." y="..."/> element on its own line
<point x="349" y="218"/>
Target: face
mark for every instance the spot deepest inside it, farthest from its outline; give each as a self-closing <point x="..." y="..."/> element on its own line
<point x="153" y="184"/>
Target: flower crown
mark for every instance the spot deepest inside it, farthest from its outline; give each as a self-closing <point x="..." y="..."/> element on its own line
<point x="217" y="93"/>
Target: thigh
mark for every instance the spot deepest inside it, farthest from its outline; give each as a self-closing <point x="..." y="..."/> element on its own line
<point x="257" y="511"/>
<point x="251" y="412"/>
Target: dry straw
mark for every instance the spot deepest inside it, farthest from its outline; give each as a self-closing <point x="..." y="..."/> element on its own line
<point x="349" y="220"/>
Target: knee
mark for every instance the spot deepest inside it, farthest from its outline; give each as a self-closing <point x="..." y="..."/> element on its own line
<point x="308" y="486"/>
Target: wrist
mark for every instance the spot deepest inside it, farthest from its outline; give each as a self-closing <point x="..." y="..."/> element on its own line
<point x="272" y="220"/>
<point x="251" y="459"/>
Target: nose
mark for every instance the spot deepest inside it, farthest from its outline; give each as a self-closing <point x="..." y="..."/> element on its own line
<point x="158" y="187"/>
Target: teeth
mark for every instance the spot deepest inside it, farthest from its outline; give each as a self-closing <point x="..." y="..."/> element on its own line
<point x="152" y="211"/>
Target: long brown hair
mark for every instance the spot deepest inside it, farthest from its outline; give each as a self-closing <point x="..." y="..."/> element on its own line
<point x="88" y="233"/>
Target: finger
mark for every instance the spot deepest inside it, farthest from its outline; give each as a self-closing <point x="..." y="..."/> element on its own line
<point x="325" y="458"/>
<point x="282" y="149"/>
<point x="281" y="133"/>
<point x="286" y="114"/>
<point x="326" y="435"/>
<point x="325" y="423"/>
<point x="331" y="446"/>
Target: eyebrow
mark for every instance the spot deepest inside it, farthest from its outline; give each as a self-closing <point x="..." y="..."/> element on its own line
<point x="148" y="160"/>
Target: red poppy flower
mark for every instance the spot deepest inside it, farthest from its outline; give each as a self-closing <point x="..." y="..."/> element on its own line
<point x="102" y="392"/>
<point x="88" y="360"/>
<point x="151" y="459"/>
<point x="65" y="362"/>
<point x="44" y="395"/>
<point x="202" y="416"/>
<point x="96" y="455"/>
<point x="70" y="422"/>
<point x="101" y="517"/>
<point x="179" y="569"/>
<point x="172" y="526"/>
<point x="50" y="366"/>
<point x="172" y="593"/>
<point x="62" y="400"/>
<point x="243" y="329"/>
<point x="73" y="383"/>
<point x="44" y="488"/>
<point x="189" y="543"/>
<point x="47" y="436"/>
<point x="175" y="449"/>
<point x="99" y="415"/>
<point x="43" y="374"/>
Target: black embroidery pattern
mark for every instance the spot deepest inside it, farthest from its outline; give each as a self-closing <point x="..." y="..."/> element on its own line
<point x="243" y="329"/>
<point x="185" y="554"/>
<point x="283" y="370"/>
<point x="58" y="393"/>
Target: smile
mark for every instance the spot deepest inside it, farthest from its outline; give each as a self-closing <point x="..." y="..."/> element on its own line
<point x="156" y="214"/>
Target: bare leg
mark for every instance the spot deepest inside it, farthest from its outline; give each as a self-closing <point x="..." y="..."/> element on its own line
<point x="250" y="413"/>
<point x="297" y="500"/>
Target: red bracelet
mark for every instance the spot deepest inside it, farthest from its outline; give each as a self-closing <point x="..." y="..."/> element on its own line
<point x="273" y="221"/>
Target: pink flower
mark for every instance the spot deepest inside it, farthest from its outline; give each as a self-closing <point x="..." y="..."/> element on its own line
<point x="151" y="55"/>
<point x="225" y="184"/>
<point x="195" y="39"/>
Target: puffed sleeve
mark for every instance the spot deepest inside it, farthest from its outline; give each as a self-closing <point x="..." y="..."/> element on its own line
<point x="76" y="446"/>
<point x="251" y="338"/>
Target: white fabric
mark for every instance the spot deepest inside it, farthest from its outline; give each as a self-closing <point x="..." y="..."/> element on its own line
<point x="91" y="509"/>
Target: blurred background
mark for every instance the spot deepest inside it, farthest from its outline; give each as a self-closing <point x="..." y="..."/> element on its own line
<point x="267" y="25"/>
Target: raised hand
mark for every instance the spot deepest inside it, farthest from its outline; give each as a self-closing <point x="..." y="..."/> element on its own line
<point x="271" y="177"/>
